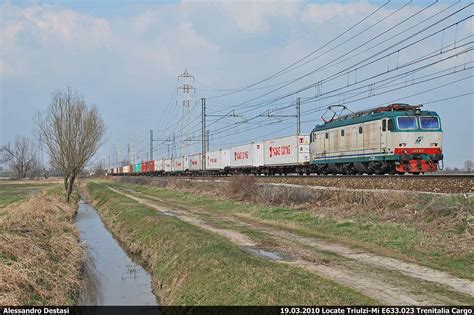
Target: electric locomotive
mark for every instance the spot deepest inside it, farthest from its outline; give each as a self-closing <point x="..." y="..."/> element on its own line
<point x="393" y="139"/>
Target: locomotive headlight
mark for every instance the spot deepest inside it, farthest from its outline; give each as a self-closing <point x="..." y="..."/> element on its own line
<point x="402" y="145"/>
<point x="434" y="144"/>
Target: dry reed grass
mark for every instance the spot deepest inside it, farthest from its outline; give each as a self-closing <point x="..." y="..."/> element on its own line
<point x="40" y="256"/>
<point x="242" y="187"/>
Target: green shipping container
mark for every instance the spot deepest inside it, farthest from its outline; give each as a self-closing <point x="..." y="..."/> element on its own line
<point x="137" y="168"/>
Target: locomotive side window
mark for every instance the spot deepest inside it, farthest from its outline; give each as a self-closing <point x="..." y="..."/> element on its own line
<point x="327" y="135"/>
<point x="429" y="122"/>
<point x="342" y="132"/>
<point x="406" y="122"/>
<point x="384" y="125"/>
<point x="390" y="125"/>
<point x="360" y="129"/>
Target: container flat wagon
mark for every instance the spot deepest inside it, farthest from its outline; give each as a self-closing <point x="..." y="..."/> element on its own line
<point x="148" y="167"/>
<point x="195" y="163"/>
<point x="127" y="169"/>
<point x="286" y="155"/>
<point x="218" y="162"/>
<point x="179" y="165"/>
<point x="168" y="166"/>
<point x="247" y="158"/>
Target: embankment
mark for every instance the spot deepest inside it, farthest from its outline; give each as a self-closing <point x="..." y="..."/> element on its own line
<point x="41" y="258"/>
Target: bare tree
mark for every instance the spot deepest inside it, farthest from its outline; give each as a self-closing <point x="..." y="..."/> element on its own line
<point x="468" y="165"/>
<point x="72" y="132"/>
<point x="21" y="156"/>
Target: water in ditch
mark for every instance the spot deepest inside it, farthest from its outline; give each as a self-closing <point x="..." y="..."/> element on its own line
<point x="112" y="277"/>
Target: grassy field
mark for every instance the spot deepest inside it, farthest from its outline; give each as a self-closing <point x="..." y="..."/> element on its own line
<point x="195" y="267"/>
<point x="14" y="192"/>
<point x="433" y="231"/>
<point x="40" y="256"/>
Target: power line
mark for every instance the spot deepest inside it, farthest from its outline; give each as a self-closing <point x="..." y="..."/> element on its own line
<point x="360" y="64"/>
<point x="313" y="52"/>
<point x="357" y="66"/>
<point x="325" y="106"/>
<point x="259" y="115"/>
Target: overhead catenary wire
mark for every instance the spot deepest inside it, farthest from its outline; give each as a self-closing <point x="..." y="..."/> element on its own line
<point x="382" y="33"/>
<point x="360" y="64"/>
<point x="317" y="50"/>
<point x="312" y="120"/>
<point x="272" y="101"/>
<point x="354" y="36"/>
<point x="288" y="106"/>
<point x="322" y="108"/>
<point x="424" y="20"/>
<point x="349" y="69"/>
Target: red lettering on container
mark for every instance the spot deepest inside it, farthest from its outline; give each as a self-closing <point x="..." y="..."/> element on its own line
<point x="283" y="150"/>
<point x="241" y="155"/>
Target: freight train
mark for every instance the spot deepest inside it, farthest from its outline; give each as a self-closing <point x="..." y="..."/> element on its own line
<point x="394" y="139"/>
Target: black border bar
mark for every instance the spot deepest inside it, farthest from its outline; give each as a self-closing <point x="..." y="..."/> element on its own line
<point x="211" y="310"/>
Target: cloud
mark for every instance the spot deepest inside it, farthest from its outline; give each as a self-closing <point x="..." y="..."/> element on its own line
<point x="52" y="24"/>
<point x="170" y="48"/>
<point x="250" y="16"/>
<point x="254" y="16"/>
<point x="148" y="40"/>
<point x="322" y="13"/>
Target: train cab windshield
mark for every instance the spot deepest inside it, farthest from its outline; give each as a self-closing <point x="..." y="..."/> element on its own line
<point x="429" y="122"/>
<point x="407" y="122"/>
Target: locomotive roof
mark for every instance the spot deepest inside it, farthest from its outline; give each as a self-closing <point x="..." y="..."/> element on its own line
<point x="393" y="110"/>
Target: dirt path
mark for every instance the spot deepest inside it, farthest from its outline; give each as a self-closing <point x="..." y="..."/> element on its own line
<point x="237" y="238"/>
<point x="361" y="270"/>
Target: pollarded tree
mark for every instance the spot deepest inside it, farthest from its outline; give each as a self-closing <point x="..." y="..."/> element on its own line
<point x="72" y="132"/>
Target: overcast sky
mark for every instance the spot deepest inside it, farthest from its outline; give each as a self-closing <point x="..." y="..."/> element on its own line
<point x="125" y="56"/>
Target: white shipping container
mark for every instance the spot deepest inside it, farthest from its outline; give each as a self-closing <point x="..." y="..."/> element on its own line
<point x="217" y="160"/>
<point x="158" y="165"/>
<point x="247" y="155"/>
<point x="213" y="160"/>
<point x="179" y="164"/>
<point x="291" y="150"/>
<point x="195" y="162"/>
<point x="126" y="169"/>
<point x="168" y="165"/>
<point x="241" y="156"/>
